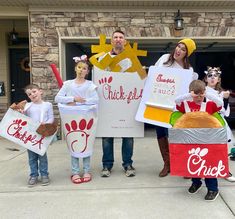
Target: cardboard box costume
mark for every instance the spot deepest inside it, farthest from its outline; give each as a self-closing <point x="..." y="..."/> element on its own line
<point x="23" y="130"/>
<point x="198" y="152"/>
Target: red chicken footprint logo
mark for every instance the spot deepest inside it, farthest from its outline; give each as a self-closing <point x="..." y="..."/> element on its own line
<point x="77" y="134"/>
<point x="106" y="80"/>
<point x="20" y="122"/>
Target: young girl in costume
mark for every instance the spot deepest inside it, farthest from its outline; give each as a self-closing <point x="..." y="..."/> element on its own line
<point x="213" y="81"/>
<point x="79" y="92"/>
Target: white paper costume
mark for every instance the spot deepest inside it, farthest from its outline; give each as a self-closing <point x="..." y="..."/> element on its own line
<point x="78" y="121"/>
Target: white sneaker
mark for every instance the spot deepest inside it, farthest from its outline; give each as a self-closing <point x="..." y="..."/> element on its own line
<point x="230" y="178"/>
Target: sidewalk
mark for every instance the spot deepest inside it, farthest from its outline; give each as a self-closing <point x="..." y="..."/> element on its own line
<point x="145" y="196"/>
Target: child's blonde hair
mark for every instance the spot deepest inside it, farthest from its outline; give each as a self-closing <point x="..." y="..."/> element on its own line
<point x="197" y="86"/>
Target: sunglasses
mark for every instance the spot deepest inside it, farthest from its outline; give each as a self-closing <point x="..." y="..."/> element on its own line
<point x="213" y="75"/>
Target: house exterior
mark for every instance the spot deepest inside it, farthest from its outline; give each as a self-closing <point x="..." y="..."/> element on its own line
<point x="47" y="28"/>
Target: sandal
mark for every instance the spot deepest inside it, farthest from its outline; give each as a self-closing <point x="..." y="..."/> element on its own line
<point x="86" y="177"/>
<point x="76" y="179"/>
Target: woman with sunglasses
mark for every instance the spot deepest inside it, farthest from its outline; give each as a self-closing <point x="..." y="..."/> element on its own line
<point x="178" y="58"/>
<point x="213" y="82"/>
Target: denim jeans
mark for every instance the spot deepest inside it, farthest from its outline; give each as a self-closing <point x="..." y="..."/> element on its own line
<point x="211" y="183"/>
<point x="108" y="155"/>
<point x="75" y="165"/>
<point x="38" y="162"/>
<point x="161" y="132"/>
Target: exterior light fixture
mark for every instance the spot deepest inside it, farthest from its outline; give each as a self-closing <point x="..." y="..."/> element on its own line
<point x="179" y="25"/>
<point x="13" y="34"/>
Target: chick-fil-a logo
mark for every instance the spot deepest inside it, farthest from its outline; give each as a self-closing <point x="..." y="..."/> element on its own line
<point x="118" y="94"/>
<point x="161" y="79"/>
<point x="17" y="130"/>
<point x="164" y="86"/>
<point x="197" y="165"/>
<point x="77" y="134"/>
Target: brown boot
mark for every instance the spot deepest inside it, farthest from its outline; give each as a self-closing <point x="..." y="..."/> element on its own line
<point x="164" y="148"/>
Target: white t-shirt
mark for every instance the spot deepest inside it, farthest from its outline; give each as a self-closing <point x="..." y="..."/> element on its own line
<point x="42" y="112"/>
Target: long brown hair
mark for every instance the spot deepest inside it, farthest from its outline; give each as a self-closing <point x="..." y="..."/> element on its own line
<point x="171" y="59"/>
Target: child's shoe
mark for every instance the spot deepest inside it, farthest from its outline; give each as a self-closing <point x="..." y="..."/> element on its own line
<point x="86" y="177"/>
<point x="32" y="181"/>
<point x="232" y="158"/>
<point x="194" y="188"/>
<point x="45" y="180"/>
<point x="230" y="178"/>
<point x="211" y="195"/>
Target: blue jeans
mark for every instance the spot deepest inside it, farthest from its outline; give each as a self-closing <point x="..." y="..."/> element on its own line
<point x="161" y="132"/>
<point x="75" y="165"/>
<point x="108" y="155"/>
<point x="211" y="183"/>
<point x="36" y="162"/>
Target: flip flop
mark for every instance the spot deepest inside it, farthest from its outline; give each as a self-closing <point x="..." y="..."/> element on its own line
<point x="86" y="177"/>
<point x="76" y="179"/>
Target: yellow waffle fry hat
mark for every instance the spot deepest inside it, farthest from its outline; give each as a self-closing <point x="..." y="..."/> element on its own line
<point x="190" y="44"/>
